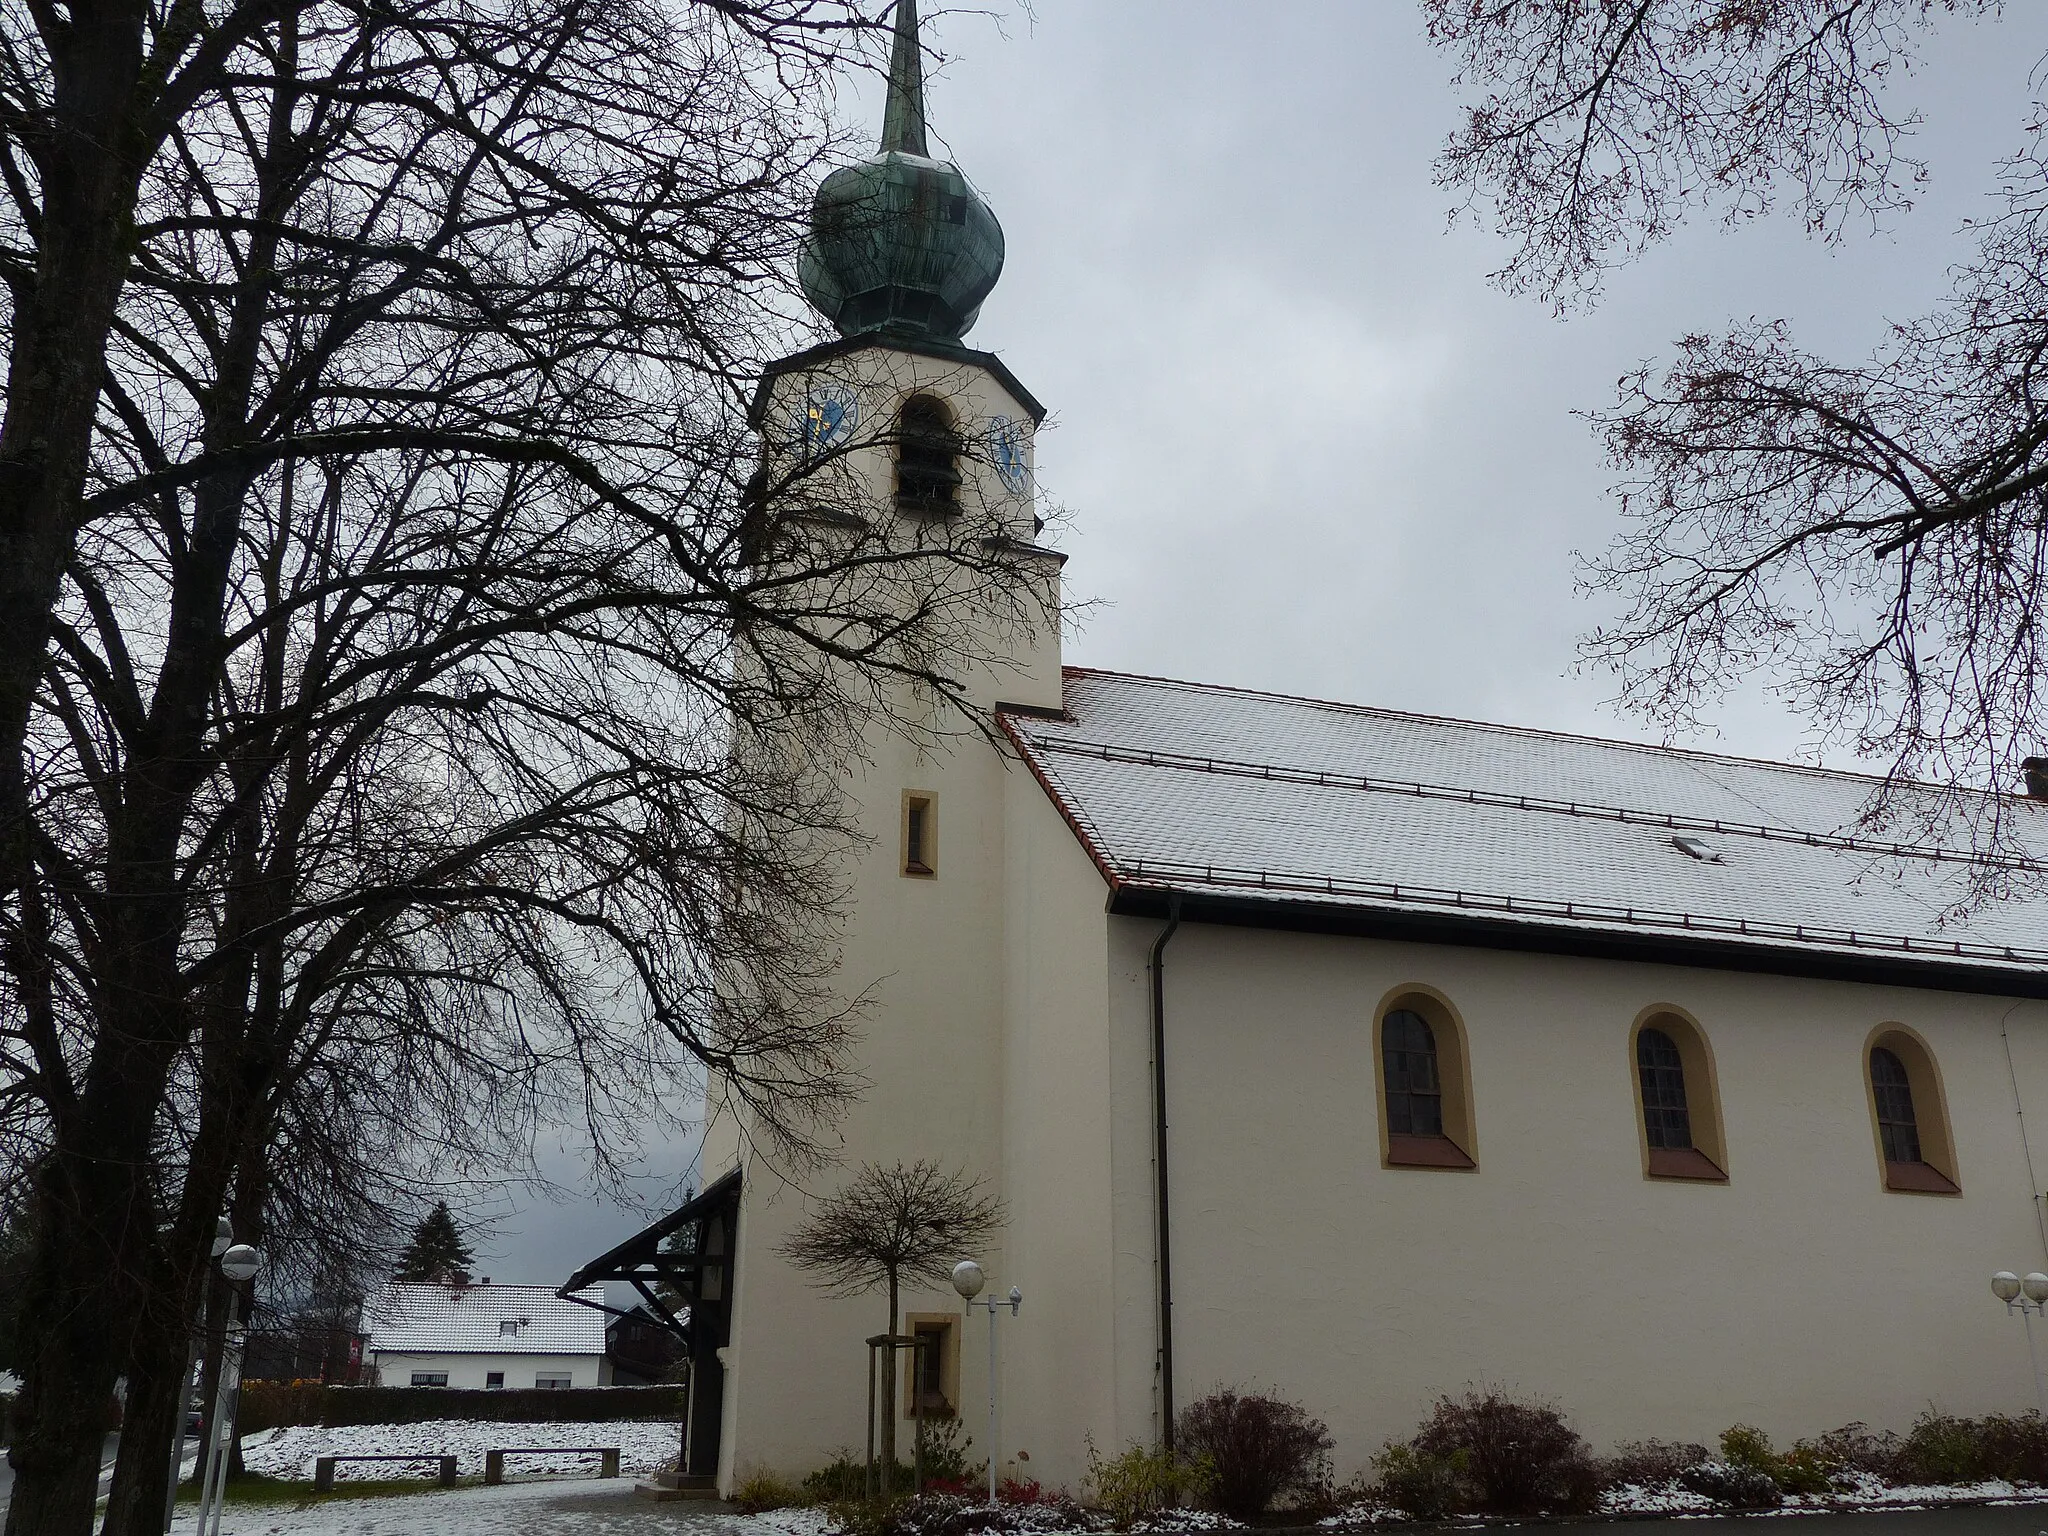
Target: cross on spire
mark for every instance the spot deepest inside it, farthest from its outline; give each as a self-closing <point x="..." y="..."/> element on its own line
<point x="903" y="118"/>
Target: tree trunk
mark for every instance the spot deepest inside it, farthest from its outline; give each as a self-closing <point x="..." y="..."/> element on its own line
<point x="157" y="1368"/>
<point x="889" y="1398"/>
<point x="58" y="358"/>
<point x="75" y="1321"/>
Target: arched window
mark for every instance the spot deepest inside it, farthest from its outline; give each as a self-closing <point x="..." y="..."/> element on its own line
<point x="1907" y="1107"/>
<point x="927" y="458"/>
<point x="1897" y="1130"/>
<point x="1425" y="1096"/>
<point x="1681" y="1116"/>
<point x="1415" y="1095"/>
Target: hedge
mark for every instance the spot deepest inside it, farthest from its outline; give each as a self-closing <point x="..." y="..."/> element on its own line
<point x="274" y="1404"/>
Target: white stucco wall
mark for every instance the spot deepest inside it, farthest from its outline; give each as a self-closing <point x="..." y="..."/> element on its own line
<point x="1799" y="1296"/>
<point x="930" y="956"/>
<point x="395" y="1368"/>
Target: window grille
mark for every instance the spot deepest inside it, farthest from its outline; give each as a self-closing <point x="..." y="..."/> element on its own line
<point x="1415" y="1100"/>
<point x="1667" y="1122"/>
<point x="1897" y="1127"/>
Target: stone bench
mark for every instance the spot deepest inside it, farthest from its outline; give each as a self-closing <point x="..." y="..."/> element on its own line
<point x="494" y="1461"/>
<point x="323" y="1468"/>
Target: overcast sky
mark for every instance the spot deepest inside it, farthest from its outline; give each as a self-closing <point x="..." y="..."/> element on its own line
<point x="1304" y="445"/>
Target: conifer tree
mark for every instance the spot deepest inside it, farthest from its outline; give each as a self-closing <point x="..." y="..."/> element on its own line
<point x="436" y="1253"/>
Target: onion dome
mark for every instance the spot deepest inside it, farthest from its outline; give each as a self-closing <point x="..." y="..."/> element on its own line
<point x="900" y="242"/>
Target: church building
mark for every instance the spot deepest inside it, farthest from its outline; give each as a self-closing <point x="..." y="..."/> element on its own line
<point x="1354" y="1055"/>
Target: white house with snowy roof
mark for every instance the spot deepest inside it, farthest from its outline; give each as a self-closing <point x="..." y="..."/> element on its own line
<point x="486" y="1336"/>
<point x="1353" y="1054"/>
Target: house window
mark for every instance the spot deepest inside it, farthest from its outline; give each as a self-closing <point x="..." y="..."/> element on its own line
<point x="1910" y="1114"/>
<point x="548" y="1381"/>
<point x="1681" y="1120"/>
<point x="430" y="1378"/>
<point x="920" y="834"/>
<point x="927" y="458"/>
<point x="932" y="1374"/>
<point x="493" y="1379"/>
<point x="508" y="1329"/>
<point x="1425" y="1092"/>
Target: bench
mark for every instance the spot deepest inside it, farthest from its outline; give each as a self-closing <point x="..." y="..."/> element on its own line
<point x="323" y="1468"/>
<point x="608" y="1466"/>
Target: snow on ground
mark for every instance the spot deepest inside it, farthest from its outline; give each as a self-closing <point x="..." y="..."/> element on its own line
<point x="1188" y="1520"/>
<point x="1658" y="1499"/>
<point x="290" y="1453"/>
<point x="784" y="1522"/>
<point x="593" y="1507"/>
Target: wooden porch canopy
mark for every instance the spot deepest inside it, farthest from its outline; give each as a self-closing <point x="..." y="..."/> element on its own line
<point x="696" y="1269"/>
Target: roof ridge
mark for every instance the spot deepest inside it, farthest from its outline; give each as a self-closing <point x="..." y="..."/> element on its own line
<point x="1693" y="754"/>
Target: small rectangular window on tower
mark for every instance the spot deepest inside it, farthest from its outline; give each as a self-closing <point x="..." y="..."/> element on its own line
<point x="920" y="834"/>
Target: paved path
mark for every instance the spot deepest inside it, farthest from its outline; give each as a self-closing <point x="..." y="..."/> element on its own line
<point x="1969" y="1520"/>
<point x="608" y="1508"/>
<point x="582" y="1507"/>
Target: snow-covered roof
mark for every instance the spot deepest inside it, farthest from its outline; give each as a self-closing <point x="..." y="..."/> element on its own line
<point x="1248" y="799"/>
<point x="444" y="1320"/>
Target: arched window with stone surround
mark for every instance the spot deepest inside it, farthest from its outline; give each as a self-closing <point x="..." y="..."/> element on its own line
<point x="927" y="458"/>
<point x="1910" y="1114"/>
<point x="1425" y="1092"/>
<point x="1678" y="1100"/>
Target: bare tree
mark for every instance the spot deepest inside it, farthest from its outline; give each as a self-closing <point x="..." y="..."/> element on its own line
<point x="382" y="787"/>
<point x="1874" y="535"/>
<point x="887" y="1227"/>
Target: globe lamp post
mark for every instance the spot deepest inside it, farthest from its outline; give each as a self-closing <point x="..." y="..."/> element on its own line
<point x="968" y="1280"/>
<point x="239" y="1264"/>
<point x="2025" y="1295"/>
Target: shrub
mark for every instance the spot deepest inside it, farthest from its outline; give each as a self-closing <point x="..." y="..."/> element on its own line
<point x="2016" y="1447"/>
<point x="952" y="1514"/>
<point x="946" y="1445"/>
<point x="1260" y="1447"/>
<point x="1725" y="1483"/>
<point x="760" y="1492"/>
<point x="1854" y="1448"/>
<point x="1523" y="1458"/>
<point x="1941" y="1448"/>
<point x="1649" y="1463"/>
<point x="863" y="1517"/>
<point x="841" y="1479"/>
<point x="1141" y="1481"/>
<point x="1427" y="1486"/>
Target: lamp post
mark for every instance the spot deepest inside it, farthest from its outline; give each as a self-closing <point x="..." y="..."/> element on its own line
<point x="2025" y="1296"/>
<point x="968" y="1281"/>
<point x="223" y="1240"/>
<point x="238" y="1265"/>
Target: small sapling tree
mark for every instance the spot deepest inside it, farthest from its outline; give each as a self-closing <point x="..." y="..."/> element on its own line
<point x="887" y="1227"/>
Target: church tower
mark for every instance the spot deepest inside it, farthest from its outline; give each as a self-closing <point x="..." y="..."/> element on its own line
<point x="898" y="422"/>
<point x="900" y="444"/>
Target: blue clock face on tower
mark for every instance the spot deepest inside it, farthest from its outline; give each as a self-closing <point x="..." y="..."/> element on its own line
<point x="1006" y="452"/>
<point x="827" y="418"/>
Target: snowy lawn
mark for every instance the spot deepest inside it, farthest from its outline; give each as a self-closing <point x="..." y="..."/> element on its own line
<point x="596" y="1507"/>
<point x="644" y="1447"/>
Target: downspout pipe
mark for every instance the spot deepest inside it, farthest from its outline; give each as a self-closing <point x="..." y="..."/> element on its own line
<point x="1160" y="1188"/>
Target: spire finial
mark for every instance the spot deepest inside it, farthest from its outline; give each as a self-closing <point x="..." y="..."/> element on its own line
<point x="903" y="119"/>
